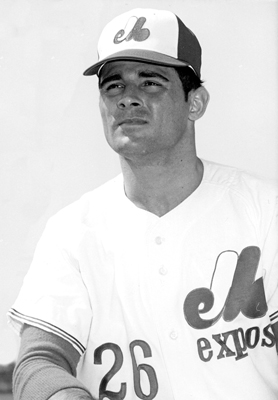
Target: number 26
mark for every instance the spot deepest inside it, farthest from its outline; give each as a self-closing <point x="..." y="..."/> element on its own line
<point x="103" y="393"/>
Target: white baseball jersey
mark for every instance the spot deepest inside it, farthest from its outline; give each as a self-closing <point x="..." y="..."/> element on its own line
<point x="177" y="307"/>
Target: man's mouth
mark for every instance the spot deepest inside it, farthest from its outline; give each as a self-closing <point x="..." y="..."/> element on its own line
<point x="133" y="121"/>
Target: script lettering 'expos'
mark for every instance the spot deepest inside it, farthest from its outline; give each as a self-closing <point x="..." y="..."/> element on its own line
<point x="245" y="295"/>
<point x="133" y="31"/>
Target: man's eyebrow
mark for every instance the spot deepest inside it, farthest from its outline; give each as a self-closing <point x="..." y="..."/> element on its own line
<point x="152" y="74"/>
<point x="142" y="74"/>
<point x="110" y="78"/>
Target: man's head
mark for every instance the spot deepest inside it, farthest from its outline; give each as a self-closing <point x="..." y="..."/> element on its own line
<point x="143" y="109"/>
<point x="148" y="35"/>
<point x="149" y="63"/>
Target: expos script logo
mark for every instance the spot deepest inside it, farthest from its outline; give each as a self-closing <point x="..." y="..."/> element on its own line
<point x="133" y="31"/>
<point x="246" y="295"/>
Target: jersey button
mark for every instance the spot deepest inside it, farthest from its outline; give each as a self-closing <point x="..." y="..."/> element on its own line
<point x="174" y="335"/>
<point x="158" y="240"/>
<point x="163" y="270"/>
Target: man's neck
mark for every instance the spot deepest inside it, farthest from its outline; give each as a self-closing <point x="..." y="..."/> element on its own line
<point x="159" y="189"/>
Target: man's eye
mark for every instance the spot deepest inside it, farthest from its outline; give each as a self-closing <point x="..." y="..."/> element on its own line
<point x="113" y="88"/>
<point x="151" y="83"/>
<point x="151" y="86"/>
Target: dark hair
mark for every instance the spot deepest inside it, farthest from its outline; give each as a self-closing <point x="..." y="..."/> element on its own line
<point x="190" y="81"/>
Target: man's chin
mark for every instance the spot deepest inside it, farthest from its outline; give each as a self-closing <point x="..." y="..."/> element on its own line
<point x="128" y="147"/>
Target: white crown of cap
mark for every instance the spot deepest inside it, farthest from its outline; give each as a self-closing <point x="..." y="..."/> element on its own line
<point x="148" y="35"/>
<point x="158" y="30"/>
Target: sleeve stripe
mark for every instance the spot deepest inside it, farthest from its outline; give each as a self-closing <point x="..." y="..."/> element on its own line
<point x="14" y="314"/>
<point x="273" y="316"/>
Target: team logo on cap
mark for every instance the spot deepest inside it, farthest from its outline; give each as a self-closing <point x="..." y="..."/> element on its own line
<point x="133" y="30"/>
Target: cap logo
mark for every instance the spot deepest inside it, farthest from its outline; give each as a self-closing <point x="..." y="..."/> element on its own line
<point x="133" y="30"/>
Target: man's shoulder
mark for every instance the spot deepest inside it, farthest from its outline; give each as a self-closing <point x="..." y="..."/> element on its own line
<point x="241" y="183"/>
<point x="236" y="177"/>
<point x="102" y="194"/>
<point x="91" y="204"/>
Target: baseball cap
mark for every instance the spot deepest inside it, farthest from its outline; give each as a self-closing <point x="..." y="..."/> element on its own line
<point x="148" y="35"/>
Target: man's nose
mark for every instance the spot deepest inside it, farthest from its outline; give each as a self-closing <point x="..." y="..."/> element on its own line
<point x="130" y="98"/>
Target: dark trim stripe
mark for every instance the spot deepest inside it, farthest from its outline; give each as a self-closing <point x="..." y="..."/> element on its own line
<point x="42" y="324"/>
<point x="273" y="316"/>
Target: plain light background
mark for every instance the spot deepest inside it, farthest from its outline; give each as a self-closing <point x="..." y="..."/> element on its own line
<point x="52" y="148"/>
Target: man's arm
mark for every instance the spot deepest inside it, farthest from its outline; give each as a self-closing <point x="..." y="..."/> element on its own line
<point x="46" y="368"/>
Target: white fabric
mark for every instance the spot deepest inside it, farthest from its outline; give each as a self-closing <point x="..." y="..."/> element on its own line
<point x="134" y="290"/>
<point x="151" y="31"/>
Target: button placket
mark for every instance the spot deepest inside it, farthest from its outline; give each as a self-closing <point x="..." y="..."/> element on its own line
<point x="159" y="240"/>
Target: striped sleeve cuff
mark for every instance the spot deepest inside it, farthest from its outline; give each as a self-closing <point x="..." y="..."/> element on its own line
<point x="274" y="317"/>
<point x="17" y="320"/>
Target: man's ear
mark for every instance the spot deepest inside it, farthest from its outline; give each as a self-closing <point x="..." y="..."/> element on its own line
<point x="198" y="101"/>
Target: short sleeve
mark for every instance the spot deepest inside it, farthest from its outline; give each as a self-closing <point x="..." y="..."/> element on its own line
<point x="53" y="296"/>
<point x="270" y="260"/>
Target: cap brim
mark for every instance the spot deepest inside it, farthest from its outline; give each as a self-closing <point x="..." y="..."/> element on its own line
<point x="138" y="55"/>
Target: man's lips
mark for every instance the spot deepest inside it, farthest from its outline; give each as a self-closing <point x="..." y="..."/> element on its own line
<point x="132" y="121"/>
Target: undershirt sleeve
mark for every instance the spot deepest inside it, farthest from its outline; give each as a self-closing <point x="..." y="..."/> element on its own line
<point x="46" y="365"/>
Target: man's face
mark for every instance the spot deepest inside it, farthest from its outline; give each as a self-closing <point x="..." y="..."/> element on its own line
<point x="143" y="108"/>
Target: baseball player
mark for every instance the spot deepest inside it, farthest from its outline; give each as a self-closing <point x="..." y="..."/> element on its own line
<point x="162" y="283"/>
